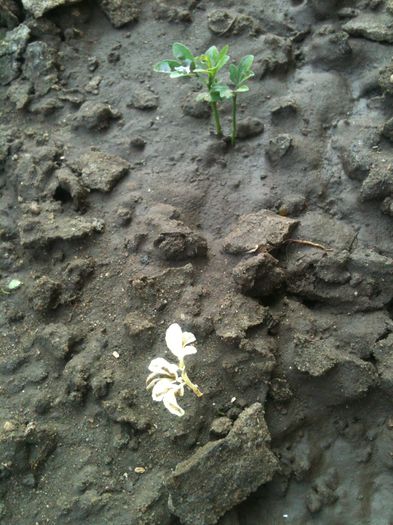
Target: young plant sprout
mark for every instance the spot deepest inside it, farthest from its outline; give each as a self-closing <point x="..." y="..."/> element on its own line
<point x="205" y="68"/>
<point x="167" y="380"/>
<point x="239" y="74"/>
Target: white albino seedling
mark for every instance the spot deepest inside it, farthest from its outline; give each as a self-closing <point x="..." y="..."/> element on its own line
<point x="167" y="380"/>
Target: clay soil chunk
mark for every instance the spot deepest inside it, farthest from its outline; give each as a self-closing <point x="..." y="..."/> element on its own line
<point x="121" y="12"/>
<point x="223" y="473"/>
<point x="370" y="27"/>
<point x="38" y="7"/>
<point x="9" y="13"/>
<point x="12" y="47"/>
<point x="38" y="231"/>
<point x="259" y="276"/>
<point x="261" y="229"/>
<point x="350" y="375"/>
<point x="101" y="171"/>
<point x="236" y="315"/>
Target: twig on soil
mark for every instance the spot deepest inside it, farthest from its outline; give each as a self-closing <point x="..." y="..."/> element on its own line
<point x="261" y="247"/>
<point x="308" y="243"/>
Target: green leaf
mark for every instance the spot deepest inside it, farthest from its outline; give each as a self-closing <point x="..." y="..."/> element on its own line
<point x="245" y="63"/>
<point x="178" y="74"/>
<point x="181" y="52"/>
<point x="213" y="55"/>
<point x="215" y="96"/>
<point x="221" y="62"/>
<point x="223" y="90"/>
<point x="234" y="74"/>
<point x="201" y="71"/>
<point x="242" y="89"/>
<point x="166" y="66"/>
<point x="14" y="284"/>
<point x="224" y="52"/>
<point x="223" y="58"/>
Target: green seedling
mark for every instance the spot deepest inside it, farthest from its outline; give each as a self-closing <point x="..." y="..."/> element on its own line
<point x="239" y="74"/>
<point x="205" y="68"/>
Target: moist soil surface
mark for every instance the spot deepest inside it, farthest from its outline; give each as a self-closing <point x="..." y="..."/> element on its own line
<point x="122" y="213"/>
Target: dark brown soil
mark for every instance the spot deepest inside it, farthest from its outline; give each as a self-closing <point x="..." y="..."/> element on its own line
<point x="121" y="213"/>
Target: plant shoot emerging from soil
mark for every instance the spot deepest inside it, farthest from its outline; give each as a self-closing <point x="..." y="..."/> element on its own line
<point x="168" y="380"/>
<point x="205" y="68"/>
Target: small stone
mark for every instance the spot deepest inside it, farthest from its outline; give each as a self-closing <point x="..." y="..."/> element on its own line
<point x="116" y="355"/>
<point x="121" y="12"/>
<point x="45" y="294"/>
<point x="259" y="276"/>
<point x="378" y="184"/>
<point x="221" y="426"/>
<point x="249" y="127"/>
<point x="9" y="426"/>
<point x="144" y="99"/>
<point x="387" y="130"/>
<point x="292" y="205"/>
<point x="101" y="171"/>
<point x="29" y="480"/>
<point x="113" y="57"/>
<point x="387" y="206"/>
<point x="93" y="85"/>
<point x="178" y="242"/>
<point x="92" y="63"/>
<point x="123" y="216"/>
<point x="95" y="116"/>
<point x="167" y="11"/>
<point x="19" y="93"/>
<point x="139" y="470"/>
<point x="223" y="21"/>
<point x="138" y="142"/>
<point x="38" y="7"/>
<point x="136" y="323"/>
<point x="256" y="230"/>
<point x="279" y="147"/>
<point x="220" y="21"/>
<point x="280" y="390"/>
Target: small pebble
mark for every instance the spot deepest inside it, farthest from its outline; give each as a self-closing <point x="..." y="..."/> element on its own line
<point x="9" y="426"/>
